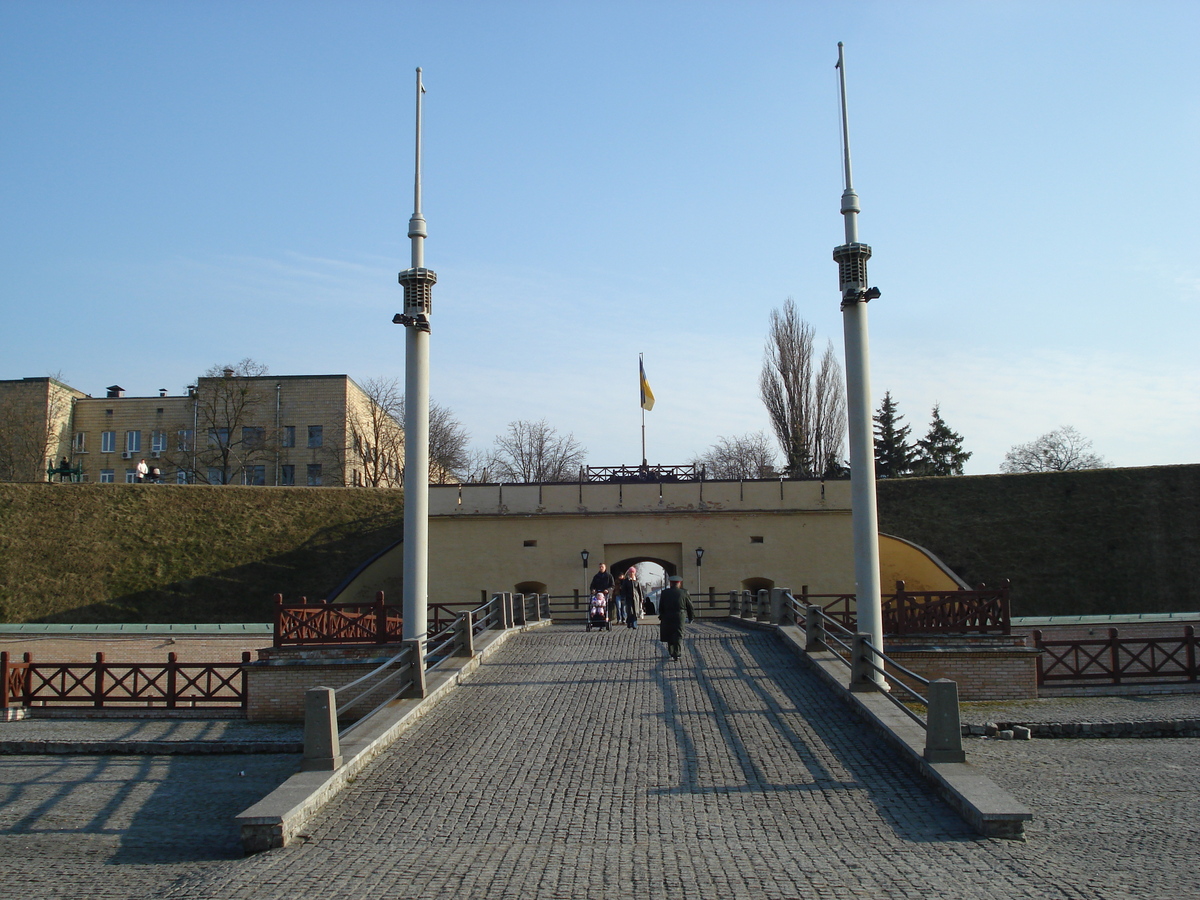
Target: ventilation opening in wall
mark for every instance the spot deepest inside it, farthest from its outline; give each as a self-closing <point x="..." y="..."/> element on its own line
<point x="756" y="539"/>
<point x="531" y="543"/>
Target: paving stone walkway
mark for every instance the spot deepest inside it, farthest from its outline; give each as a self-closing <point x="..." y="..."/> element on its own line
<point x="587" y="765"/>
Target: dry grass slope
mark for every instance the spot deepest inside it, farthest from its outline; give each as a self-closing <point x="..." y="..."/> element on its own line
<point x="164" y="553"/>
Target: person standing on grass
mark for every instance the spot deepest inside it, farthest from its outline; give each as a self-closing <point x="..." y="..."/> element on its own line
<point x="673" y="603"/>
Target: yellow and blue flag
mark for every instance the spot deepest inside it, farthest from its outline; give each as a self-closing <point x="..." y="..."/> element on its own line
<point x="647" y="394"/>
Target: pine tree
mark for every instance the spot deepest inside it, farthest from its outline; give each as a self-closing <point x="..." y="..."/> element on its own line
<point x="894" y="455"/>
<point x="940" y="452"/>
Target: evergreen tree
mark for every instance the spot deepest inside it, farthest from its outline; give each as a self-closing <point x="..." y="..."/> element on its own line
<point x="940" y="452"/>
<point x="894" y="455"/>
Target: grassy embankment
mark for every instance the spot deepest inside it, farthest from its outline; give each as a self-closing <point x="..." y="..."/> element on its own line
<point x="1097" y="542"/>
<point x="165" y="553"/>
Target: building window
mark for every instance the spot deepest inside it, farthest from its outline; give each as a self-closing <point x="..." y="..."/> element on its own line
<point x="315" y="435"/>
<point x="218" y="437"/>
<point x="108" y="442"/>
<point x="79" y="442"/>
<point x="214" y="475"/>
<point x="287" y="475"/>
<point x="130" y="476"/>
<point x="133" y="441"/>
<point x="288" y="437"/>
<point x="181" y="477"/>
<point x="158" y="442"/>
<point x="314" y="475"/>
<point x="254" y="475"/>
<point x="252" y="438"/>
<point x="106" y="476"/>
<point x="185" y="439"/>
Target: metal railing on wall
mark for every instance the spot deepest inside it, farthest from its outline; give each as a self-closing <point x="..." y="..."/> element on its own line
<point x="854" y="650"/>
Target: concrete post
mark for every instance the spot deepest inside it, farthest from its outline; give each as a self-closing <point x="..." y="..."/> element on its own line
<point x="734" y="608"/>
<point x="779" y="607"/>
<point x="943" y="732"/>
<point x="814" y="629"/>
<point x="862" y="676"/>
<point x="506" y="608"/>
<point x="416" y="662"/>
<point x="762" y="605"/>
<point x="464" y="643"/>
<point x="322" y="752"/>
<point x="520" y="609"/>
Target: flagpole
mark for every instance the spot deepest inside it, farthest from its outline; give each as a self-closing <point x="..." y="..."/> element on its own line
<point x="641" y="378"/>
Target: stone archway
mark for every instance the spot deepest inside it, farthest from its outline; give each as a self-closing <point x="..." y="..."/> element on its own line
<point x="754" y="585"/>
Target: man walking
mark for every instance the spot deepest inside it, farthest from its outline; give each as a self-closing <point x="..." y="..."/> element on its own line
<point x="672" y="604"/>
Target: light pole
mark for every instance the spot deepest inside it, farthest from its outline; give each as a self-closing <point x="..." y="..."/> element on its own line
<point x="851" y="258"/>
<point x="583" y="554"/>
<point x="418" y="284"/>
<point x="699" y="558"/>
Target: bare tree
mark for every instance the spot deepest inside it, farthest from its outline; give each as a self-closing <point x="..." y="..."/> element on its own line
<point x="225" y="437"/>
<point x="34" y="418"/>
<point x="806" y="403"/>
<point x="744" y="456"/>
<point x="448" y="438"/>
<point x="377" y="433"/>
<point x="1060" y="450"/>
<point x="531" y="452"/>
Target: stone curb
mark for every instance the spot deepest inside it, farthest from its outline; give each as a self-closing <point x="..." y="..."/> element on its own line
<point x="276" y="819"/>
<point x="1171" y="728"/>
<point x="983" y="804"/>
<point x="145" y="748"/>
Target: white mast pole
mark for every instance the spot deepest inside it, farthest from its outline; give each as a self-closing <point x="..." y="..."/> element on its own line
<point x="852" y="265"/>
<point x="418" y="282"/>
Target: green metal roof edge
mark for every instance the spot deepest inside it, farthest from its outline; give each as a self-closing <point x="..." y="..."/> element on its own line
<point x="139" y="628"/>
<point x="1127" y="619"/>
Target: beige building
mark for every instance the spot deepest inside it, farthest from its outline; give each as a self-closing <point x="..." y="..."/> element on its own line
<point x="35" y="426"/>
<point x="754" y="535"/>
<point x="303" y="430"/>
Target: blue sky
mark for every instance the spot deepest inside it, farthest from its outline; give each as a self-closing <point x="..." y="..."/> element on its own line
<point x="195" y="182"/>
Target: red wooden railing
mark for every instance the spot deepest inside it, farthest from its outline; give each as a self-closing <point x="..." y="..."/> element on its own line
<point x="1117" y="660"/>
<point x="102" y="683"/>
<point x="981" y="611"/>
<point x="337" y="623"/>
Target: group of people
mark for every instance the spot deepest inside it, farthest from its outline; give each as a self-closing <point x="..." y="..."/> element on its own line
<point x="145" y="473"/>
<point x="629" y="604"/>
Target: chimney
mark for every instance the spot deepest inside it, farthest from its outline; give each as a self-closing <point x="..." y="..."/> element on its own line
<point x="228" y="372"/>
<point x="115" y="390"/>
<point x="162" y="392"/>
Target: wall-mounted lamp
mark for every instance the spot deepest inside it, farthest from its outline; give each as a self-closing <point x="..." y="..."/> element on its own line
<point x="583" y="554"/>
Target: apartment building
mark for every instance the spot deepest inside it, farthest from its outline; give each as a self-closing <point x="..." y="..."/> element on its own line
<point x="288" y="430"/>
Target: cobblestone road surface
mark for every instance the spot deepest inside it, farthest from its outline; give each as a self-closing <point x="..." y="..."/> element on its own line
<point x="586" y="765"/>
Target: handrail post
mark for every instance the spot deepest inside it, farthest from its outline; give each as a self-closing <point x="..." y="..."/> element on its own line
<point x="416" y="665"/>
<point x="862" y="676"/>
<point x="277" y="605"/>
<point x="733" y="603"/>
<point x="1189" y="636"/>
<point x="1036" y="634"/>
<point x="1114" y="655"/>
<point x="4" y="703"/>
<point x="98" y="695"/>
<point x="777" y="607"/>
<point x="520" y="610"/>
<point x="814" y="628"/>
<point x="322" y="751"/>
<point x="506" y="614"/>
<point x="943" y="729"/>
<point x="172" y="687"/>
<point x="245" y="679"/>
<point x="381" y="629"/>
<point x="762" y="606"/>
<point x="464" y="642"/>
<point x="27" y="680"/>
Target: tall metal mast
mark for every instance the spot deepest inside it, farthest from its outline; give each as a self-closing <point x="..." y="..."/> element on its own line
<point x="418" y="305"/>
<point x="851" y="258"/>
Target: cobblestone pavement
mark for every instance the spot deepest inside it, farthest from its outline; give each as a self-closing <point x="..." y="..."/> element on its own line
<point x="586" y="765"/>
<point x="1147" y="708"/>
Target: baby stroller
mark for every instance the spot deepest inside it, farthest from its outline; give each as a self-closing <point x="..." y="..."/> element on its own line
<point x="598" y="612"/>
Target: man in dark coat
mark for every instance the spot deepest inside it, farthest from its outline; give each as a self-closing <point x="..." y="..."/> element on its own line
<point x="672" y="604"/>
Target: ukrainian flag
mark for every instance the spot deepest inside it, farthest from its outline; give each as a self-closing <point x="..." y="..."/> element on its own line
<point x="647" y="394"/>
